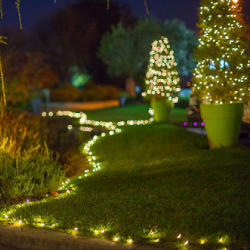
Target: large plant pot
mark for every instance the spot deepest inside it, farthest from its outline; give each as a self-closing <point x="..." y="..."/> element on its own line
<point x="162" y="110"/>
<point x="222" y="123"/>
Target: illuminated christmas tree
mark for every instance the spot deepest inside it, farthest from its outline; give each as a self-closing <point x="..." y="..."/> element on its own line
<point x="221" y="75"/>
<point x="162" y="79"/>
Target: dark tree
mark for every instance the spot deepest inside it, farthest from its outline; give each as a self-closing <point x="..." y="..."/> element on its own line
<point x="73" y="36"/>
<point x="24" y="71"/>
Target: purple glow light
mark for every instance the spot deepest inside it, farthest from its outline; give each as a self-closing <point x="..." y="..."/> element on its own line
<point x="195" y="123"/>
<point x="185" y="123"/>
<point x="202" y="124"/>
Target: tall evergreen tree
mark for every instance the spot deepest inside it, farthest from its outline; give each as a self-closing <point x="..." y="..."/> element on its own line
<point x="221" y="75"/>
<point x="162" y="78"/>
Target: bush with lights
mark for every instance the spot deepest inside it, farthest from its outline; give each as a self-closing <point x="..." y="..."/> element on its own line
<point x="162" y="78"/>
<point x="221" y="75"/>
<point x="220" y="78"/>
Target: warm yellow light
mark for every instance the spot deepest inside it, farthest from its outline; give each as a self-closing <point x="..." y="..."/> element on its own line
<point x="203" y="241"/>
<point x="235" y="1"/>
<point x="221" y="240"/>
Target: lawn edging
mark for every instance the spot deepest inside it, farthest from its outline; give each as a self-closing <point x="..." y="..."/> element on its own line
<point x="39" y="239"/>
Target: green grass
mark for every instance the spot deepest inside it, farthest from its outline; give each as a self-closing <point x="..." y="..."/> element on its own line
<point x="130" y="112"/>
<point x="162" y="178"/>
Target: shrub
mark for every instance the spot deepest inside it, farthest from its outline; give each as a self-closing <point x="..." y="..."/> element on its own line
<point x="99" y="93"/>
<point x="66" y="93"/>
<point x="92" y="92"/>
<point x="24" y="130"/>
<point x="26" y="165"/>
<point x="25" y="173"/>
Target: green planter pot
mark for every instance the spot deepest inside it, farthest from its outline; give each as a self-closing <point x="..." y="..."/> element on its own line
<point x="162" y="110"/>
<point x="222" y="123"/>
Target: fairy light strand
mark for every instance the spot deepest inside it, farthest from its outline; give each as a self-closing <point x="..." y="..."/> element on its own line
<point x="19" y="13"/>
<point x="66" y="185"/>
<point x="222" y="72"/>
<point x="2" y="81"/>
<point x="162" y="78"/>
<point x="146" y="6"/>
<point x="1" y="8"/>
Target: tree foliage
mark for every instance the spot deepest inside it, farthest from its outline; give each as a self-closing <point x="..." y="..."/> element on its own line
<point x="24" y="70"/>
<point x="222" y="72"/>
<point x="72" y="36"/>
<point x="116" y="51"/>
<point x="162" y="79"/>
<point x="126" y="50"/>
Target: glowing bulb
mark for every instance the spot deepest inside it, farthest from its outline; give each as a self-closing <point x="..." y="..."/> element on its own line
<point x="203" y="241"/>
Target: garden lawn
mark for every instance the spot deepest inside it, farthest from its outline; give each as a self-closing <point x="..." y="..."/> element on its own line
<point x="156" y="182"/>
<point x="131" y="112"/>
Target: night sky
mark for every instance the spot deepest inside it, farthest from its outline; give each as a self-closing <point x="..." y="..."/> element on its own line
<point x="32" y="10"/>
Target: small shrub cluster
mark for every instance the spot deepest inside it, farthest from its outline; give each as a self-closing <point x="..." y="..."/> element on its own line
<point x="100" y="93"/>
<point x="69" y="93"/>
<point x="66" y="93"/>
<point x="24" y="129"/>
<point x="28" y="172"/>
<point x="27" y="166"/>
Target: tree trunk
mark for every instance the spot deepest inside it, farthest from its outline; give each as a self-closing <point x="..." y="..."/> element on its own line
<point x="130" y="87"/>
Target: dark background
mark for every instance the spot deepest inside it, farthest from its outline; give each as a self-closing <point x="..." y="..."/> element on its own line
<point x="33" y="10"/>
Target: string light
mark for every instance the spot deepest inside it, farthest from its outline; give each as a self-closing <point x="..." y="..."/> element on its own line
<point x="179" y="236"/>
<point x="162" y="79"/>
<point x="223" y="65"/>
<point x="19" y="13"/>
<point x="203" y="241"/>
<point x="2" y="81"/>
<point x="68" y="186"/>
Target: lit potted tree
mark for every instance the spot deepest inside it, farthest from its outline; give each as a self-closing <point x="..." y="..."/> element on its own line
<point x="162" y="80"/>
<point x="220" y="77"/>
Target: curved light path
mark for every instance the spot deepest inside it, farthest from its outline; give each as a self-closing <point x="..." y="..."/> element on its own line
<point x="68" y="187"/>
